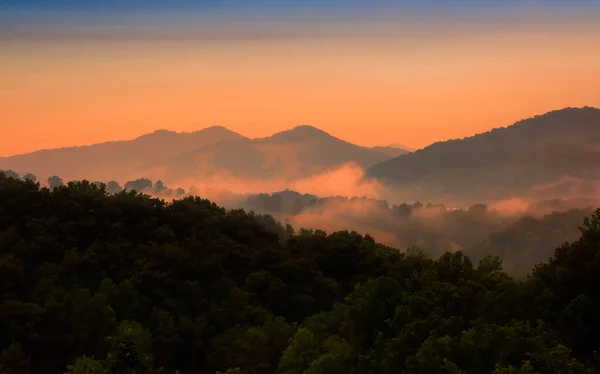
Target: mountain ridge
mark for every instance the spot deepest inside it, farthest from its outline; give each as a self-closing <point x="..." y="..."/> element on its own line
<point x="158" y="132"/>
<point x="536" y="150"/>
<point x="94" y="161"/>
<point x="296" y="152"/>
<point x="305" y="129"/>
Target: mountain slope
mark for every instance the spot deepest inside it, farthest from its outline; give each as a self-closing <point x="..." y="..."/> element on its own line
<point x="316" y="147"/>
<point x="548" y="154"/>
<point x="295" y="153"/>
<point x="117" y="159"/>
<point x="171" y="156"/>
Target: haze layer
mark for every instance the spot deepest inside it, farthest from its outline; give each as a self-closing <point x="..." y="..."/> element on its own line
<point x="369" y="72"/>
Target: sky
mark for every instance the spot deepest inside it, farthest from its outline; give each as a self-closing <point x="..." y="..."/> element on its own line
<point x="371" y="72"/>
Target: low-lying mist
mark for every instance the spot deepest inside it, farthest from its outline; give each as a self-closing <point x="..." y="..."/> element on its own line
<point x="521" y="234"/>
<point x="346" y="180"/>
<point x="523" y="230"/>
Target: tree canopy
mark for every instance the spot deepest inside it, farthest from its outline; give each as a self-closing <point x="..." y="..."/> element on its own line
<point x="92" y="282"/>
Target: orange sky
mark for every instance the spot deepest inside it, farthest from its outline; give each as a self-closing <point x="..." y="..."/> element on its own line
<point x="370" y="91"/>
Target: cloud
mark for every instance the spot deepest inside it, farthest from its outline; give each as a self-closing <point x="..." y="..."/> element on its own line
<point x="346" y="180"/>
<point x="510" y="206"/>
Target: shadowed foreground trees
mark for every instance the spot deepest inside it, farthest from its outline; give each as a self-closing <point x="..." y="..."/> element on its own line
<point x="125" y="283"/>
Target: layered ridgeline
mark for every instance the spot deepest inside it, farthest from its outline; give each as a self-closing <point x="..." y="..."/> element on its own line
<point x="545" y="156"/>
<point x="114" y="160"/>
<point x="172" y="156"/>
<point x="521" y="237"/>
<point x="97" y="283"/>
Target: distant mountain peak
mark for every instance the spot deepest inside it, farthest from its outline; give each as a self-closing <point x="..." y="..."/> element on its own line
<point x="162" y="131"/>
<point x="307" y="128"/>
<point x="212" y="130"/>
<point x="216" y="128"/>
<point x="302" y="132"/>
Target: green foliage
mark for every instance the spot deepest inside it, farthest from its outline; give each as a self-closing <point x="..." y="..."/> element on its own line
<point x="171" y="285"/>
<point x="298" y="357"/>
<point x="256" y="348"/>
<point x="92" y="282"/>
<point x="13" y="360"/>
<point x="87" y="365"/>
<point x="130" y="349"/>
<point x="231" y="371"/>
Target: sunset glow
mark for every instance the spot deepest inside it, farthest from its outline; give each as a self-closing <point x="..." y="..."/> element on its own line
<point x="402" y="77"/>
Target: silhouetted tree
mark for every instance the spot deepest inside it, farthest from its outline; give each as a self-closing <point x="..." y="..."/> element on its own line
<point x="30" y="177"/>
<point x="55" y="182"/>
<point x="113" y="187"/>
<point x="10" y="174"/>
<point x="139" y="185"/>
<point x="159" y="187"/>
<point x="13" y="360"/>
<point x="93" y="283"/>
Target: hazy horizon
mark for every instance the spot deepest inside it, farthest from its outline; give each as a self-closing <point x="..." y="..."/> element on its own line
<point x="390" y="142"/>
<point x="371" y="73"/>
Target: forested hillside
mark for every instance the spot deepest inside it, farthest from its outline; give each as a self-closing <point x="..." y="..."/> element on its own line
<point x="125" y="283"/>
<point x="521" y="238"/>
<point x="547" y="156"/>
